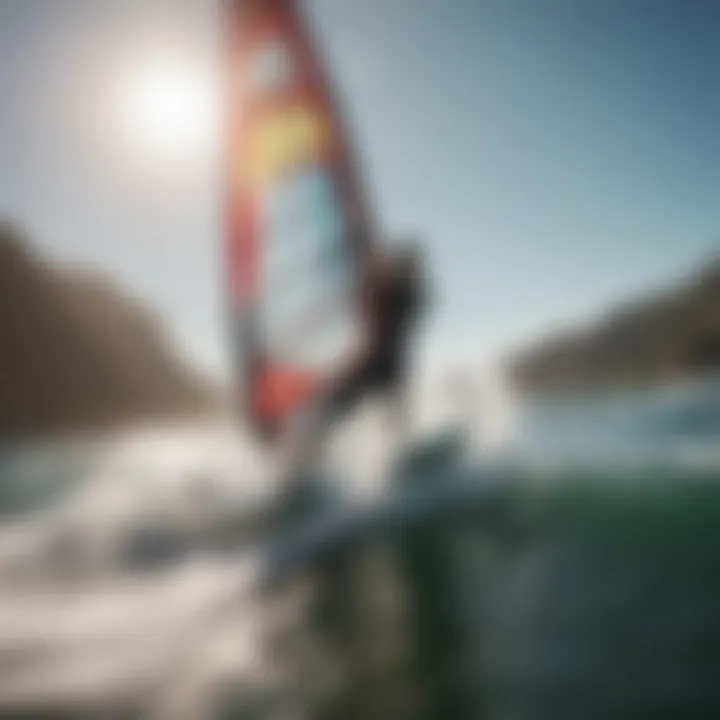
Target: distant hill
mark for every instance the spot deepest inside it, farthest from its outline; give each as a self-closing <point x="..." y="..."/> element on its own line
<point x="666" y="335"/>
<point x="77" y="354"/>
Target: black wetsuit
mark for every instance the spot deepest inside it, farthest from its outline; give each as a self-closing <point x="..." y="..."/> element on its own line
<point x="394" y="299"/>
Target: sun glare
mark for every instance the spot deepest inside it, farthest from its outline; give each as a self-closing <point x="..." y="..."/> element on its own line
<point x="168" y="110"/>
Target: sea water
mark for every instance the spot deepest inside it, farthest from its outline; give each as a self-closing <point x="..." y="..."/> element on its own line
<point x="592" y="592"/>
<point x="126" y="578"/>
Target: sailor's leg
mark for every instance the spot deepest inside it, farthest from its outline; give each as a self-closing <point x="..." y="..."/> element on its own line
<point x="398" y="411"/>
<point x="396" y="389"/>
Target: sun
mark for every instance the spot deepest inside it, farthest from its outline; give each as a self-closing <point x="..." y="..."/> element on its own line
<point x="167" y="109"/>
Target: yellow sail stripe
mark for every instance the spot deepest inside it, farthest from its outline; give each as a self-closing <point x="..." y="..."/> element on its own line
<point x="279" y="143"/>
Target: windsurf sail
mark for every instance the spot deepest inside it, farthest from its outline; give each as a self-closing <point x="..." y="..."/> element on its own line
<point x="297" y="227"/>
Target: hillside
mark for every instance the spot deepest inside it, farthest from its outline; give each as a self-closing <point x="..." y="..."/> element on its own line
<point x="76" y="354"/>
<point x="666" y="335"/>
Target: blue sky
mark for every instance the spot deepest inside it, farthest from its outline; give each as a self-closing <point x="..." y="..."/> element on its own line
<point x="556" y="155"/>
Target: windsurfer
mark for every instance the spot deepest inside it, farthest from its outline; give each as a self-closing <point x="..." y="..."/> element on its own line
<point x="392" y="299"/>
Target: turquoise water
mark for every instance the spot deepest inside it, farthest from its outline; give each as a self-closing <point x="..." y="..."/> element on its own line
<point x="688" y="411"/>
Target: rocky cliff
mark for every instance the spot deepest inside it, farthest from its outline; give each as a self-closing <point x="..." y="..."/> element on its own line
<point x="666" y="335"/>
<point x="76" y="353"/>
